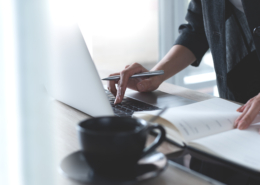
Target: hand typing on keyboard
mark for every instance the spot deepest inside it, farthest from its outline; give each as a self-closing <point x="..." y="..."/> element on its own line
<point x="144" y="84"/>
<point x="128" y="106"/>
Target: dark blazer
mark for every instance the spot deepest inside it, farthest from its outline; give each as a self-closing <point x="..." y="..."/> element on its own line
<point x="207" y="28"/>
<point x="210" y="25"/>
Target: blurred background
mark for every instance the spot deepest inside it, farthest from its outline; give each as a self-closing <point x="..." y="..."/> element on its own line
<point x="120" y="33"/>
<point x="117" y="32"/>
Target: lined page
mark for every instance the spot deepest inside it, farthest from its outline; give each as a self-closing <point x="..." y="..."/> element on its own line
<point x="241" y="147"/>
<point x="201" y="119"/>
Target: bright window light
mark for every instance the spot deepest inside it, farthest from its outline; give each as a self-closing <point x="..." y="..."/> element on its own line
<point x="215" y="91"/>
<point x="200" y="78"/>
<point x="10" y="116"/>
<point x="208" y="60"/>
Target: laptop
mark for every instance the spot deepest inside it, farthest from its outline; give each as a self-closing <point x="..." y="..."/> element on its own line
<point x="74" y="79"/>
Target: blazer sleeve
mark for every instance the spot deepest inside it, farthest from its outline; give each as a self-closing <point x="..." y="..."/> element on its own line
<point x="192" y="35"/>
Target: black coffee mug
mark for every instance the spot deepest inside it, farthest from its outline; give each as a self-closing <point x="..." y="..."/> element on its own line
<point x="113" y="145"/>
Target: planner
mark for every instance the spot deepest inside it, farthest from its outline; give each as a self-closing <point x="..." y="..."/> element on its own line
<point x="207" y="126"/>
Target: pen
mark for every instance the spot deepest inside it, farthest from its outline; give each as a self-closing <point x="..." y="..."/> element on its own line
<point x="145" y="74"/>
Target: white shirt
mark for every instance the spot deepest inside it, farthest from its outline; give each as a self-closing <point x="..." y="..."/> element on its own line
<point x="238" y="4"/>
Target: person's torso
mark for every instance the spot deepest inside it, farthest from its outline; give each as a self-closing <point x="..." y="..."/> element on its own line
<point x="225" y="40"/>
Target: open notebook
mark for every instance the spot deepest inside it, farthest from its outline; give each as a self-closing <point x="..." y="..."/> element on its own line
<point x="208" y="127"/>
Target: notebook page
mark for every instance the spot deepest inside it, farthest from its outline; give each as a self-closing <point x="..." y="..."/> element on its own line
<point x="241" y="147"/>
<point x="203" y="118"/>
<point x="171" y="131"/>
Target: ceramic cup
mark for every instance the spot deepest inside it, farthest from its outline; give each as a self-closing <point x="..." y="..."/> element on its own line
<point x="113" y="145"/>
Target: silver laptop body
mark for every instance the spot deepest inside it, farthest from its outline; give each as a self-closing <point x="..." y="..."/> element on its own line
<point x="75" y="80"/>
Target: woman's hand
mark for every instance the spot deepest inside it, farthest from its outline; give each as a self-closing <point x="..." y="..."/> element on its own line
<point x="249" y="113"/>
<point x="138" y="84"/>
<point x="174" y="61"/>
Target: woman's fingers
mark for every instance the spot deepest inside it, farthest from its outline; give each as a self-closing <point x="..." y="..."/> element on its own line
<point x="242" y="108"/>
<point x="249" y="117"/>
<point x="112" y="85"/>
<point x="124" y="77"/>
<point x="148" y="84"/>
<point x="139" y="84"/>
<point x="250" y="114"/>
<point x="246" y="108"/>
<point x="132" y="82"/>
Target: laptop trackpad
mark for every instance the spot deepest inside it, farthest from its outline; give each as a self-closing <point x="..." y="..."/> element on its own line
<point x="159" y="98"/>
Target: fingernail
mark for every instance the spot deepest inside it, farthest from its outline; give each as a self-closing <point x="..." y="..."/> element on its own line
<point x="239" y="109"/>
<point x="141" y="87"/>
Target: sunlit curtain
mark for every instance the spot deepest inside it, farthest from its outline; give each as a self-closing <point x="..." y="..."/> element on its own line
<point x="26" y="155"/>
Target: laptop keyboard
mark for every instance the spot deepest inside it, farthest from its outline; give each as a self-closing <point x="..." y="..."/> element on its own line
<point x="128" y="106"/>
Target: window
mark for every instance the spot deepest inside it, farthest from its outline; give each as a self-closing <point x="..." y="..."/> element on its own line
<point x="123" y="32"/>
<point x="120" y="33"/>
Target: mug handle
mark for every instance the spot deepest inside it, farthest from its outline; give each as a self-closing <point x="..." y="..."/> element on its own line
<point x="158" y="140"/>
